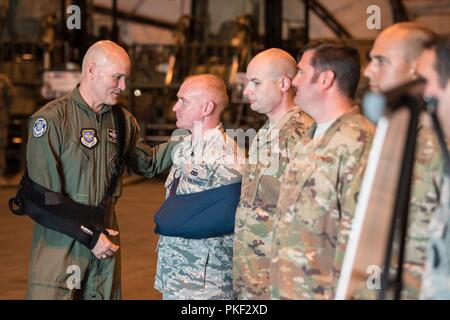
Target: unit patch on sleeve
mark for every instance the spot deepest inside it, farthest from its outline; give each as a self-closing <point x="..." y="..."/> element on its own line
<point x="39" y="127"/>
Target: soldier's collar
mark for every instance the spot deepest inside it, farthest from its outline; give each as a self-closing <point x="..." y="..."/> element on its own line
<point x="76" y="96"/>
<point x="285" y="118"/>
<point x="336" y="125"/>
<point x="208" y="135"/>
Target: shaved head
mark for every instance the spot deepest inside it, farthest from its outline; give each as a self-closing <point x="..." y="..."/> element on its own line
<point x="275" y="63"/>
<point x="106" y="66"/>
<point x="201" y="98"/>
<point x="269" y="89"/>
<point x="209" y="87"/>
<point x="395" y="53"/>
<point x="102" y="53"/>
<point x="408" y="37"/>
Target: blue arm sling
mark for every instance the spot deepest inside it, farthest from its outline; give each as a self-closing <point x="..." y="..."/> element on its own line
<point x="199" y="215"/>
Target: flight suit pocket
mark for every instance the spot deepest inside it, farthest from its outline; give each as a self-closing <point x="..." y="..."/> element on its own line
<point x="76" y="151"/>
<point x="112" y="165"/>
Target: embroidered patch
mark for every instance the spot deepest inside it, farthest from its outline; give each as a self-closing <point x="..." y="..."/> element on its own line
<point x="112" y="135"/>
<point x="39" y="127"/>
<point x="88" y="138"/>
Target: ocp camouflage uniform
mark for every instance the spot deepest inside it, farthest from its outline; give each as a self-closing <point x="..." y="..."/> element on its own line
<point x="259" y="195"/>
<point x="199" y="268"/>
<point x="426" y="182"/>
<point x="319" y="189"/>
<point x="436" y="277"/>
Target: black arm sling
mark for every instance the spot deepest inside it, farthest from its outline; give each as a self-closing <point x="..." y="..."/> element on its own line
<point x="56" y="211"/>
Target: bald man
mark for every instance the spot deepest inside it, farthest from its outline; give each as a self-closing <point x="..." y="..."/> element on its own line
<point x="72" y="150"/>
<point x="394" y="61"/>
<point x="192" y="267"/>
<point x="270" y="92"/>
<point x="394" y="55"/>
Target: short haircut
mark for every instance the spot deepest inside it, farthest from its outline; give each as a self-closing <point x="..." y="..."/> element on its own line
<point x="441" y="46"/>
<point x="216" y="89"/>
<point x="418" y="35"/>
<point x="338" y="57"/>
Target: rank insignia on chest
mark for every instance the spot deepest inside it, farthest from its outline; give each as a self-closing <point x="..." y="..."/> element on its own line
<point x="88" y="138"/>
<point x="112" y="135"/>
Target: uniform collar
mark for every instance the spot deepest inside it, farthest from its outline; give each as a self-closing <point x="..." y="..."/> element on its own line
<point x="208" y="134"/>
<point x="76" y="96"/>
<point x="282" y="121"/>
<point x="264" y="133"/>
<point x="337" y="124"/>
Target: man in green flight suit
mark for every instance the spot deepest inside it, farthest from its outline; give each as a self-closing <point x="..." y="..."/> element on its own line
<point x="72" y="150"/>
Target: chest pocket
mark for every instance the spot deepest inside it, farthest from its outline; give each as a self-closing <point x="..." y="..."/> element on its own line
<point x="112" y="156"/>
<point x="76" y="151"/>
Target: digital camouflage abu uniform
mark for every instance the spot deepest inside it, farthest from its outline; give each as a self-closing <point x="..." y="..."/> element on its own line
<point x="71" y="149"/>
<point x="199" y="268"/>
<point x="259" y="195"/>
<point x="315" y="209"/>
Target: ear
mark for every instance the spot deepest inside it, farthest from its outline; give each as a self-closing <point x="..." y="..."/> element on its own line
<point x="208" y="108"/>
<point x="285" y="84"/>
<point x="91" y="69"/>
<point x="326" y="79"/>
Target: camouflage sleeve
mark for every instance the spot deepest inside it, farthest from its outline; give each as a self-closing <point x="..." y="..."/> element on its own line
<point x="291" y="143"/>
<point x="145" y="160"/>
<point x="300" y="134"/>
<point x="43" y="152"/>
<point x="436" y="277"/>
<point x="424" y="201"/>
<point x="350" y="179"/>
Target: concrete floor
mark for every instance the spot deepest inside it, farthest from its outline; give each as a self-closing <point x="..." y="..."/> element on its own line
<point x="135" y="213"/>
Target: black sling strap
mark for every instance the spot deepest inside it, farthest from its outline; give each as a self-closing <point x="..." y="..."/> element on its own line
<point x="56" y="211"/>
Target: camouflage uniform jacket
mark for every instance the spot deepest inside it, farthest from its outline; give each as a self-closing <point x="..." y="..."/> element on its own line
<point x="315" y="209"/>
<point x="436" y="277"/>
<point x="260" y="188"/>
<point x="425" y="183"/>
<point x="424" y="201"/>
<point x="199" y="268"/>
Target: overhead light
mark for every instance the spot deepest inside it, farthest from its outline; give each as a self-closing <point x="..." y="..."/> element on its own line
<point x="27" y="56"/>
<point x="17" y="140"/>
